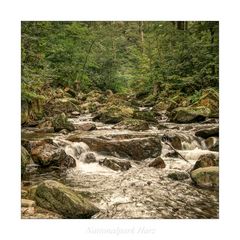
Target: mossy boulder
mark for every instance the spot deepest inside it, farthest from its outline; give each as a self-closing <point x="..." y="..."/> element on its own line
<point x="210" y="99"/>
<point x="133" y="124"/>
<point x="189" y="114"/>
<point x="60" y="122"/>
<point x="178" y="175"/>
<point x="207" y="177"/>
<point x="25" y="159"/>
<point x="114" y="114"/>
<point x="206" y="160"/>
<point x="144" y="115"/>
<point x="59" y="198"/>
<point x="61" y="105"/>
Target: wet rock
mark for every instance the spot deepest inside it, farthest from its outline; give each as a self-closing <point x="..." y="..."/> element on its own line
<point x="172" y="154"/>
<point x="174" y="140"/>
<point x="116" y="164"/>
<point x="47" y="154"/>
<point x="207" y="177"/>
<point x="25" y="159"/>
<point x="27" y="203"/>
<point x="56" y="197"/>
<point x="212" y="143"/>
<point x="189" y="114"/>
<point x="144" y="115"/>
<point x="61" y="122"/>
<point x="133" y="124"/>
<point x="85" y="126"/>
<point x="157" y="163"/>
<point x="89" y="157"/>
<point x="209" y="132"/>
<point x="178" y="175"/>
<point x="137" y="148"/>
<point x="206" y="160"/>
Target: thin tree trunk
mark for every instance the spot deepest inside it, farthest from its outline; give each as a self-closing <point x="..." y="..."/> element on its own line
<point x="84" y="64"/>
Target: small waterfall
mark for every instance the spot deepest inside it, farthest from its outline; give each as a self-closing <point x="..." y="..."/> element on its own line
<point x="196" y="153"/>
<point x="76" y="149"/>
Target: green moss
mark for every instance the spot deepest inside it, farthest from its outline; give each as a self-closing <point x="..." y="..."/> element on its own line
<point x="57" y="197"/>
<point x="61" y="122"/>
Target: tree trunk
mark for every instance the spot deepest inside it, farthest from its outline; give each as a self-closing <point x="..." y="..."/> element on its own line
<point x="141" y="35"/>
<point x="212" y="32"/>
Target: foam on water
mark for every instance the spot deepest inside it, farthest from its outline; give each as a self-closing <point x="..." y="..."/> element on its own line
<point x="196" y="153"/>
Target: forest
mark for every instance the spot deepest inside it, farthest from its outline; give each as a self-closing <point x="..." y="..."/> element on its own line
<point x="117" y="114"/>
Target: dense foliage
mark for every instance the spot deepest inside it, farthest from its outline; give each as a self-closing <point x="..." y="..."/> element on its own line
<point x="137" y="57"/>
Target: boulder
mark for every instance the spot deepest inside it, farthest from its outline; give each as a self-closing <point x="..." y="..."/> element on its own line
<point x="212" y="143"/>
<point x="144" y="115"/>
<point x="172" y="154"/>
<point x="210" y="99"/>
<point x="136" y="148"/>
<point x="89" y="157"/>
<point x="208" y="132"/>
<point x="114" y="114"/>
<point x="178" y="175"/>
<point x="174" y="139"/>
<point x="61" y="122"/>
<point x="206" y="160"/>
<point x="46" y="154"/>
<point x="59" y="198"/>
<point x="157" y="163"/>
<point x="116" y="164"/>
<point x="133" y="124"/>
<point x="189" y="114"/>
<point x="61" y="105"/>
<point x="85" y="126"/>
<point x="207" y="177"/>
<point x="25" y="159"/>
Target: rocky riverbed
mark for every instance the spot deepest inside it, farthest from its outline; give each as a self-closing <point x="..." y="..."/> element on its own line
<point x="123" y="173"/>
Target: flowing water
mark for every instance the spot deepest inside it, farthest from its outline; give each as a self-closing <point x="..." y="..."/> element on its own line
<point x="141" y="191"/>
